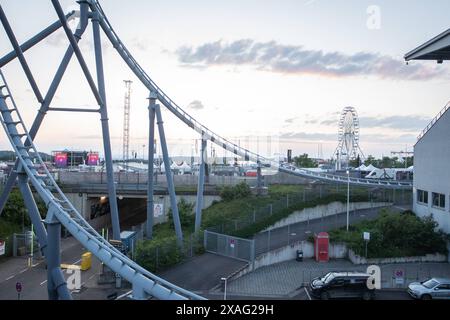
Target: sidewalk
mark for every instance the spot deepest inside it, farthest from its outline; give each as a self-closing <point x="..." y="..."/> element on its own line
<point x="285" y="278"/>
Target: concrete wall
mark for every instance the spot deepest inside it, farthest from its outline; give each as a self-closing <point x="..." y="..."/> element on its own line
<point x="355" y="259"/>
<point x="431" y="170"/>
<point x="79" y="178"/>
<point x="287" y="253"/>
<point x="83" y="204"/>
<point x="324" y="211"/>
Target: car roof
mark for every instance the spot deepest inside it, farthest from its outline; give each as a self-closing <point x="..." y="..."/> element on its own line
<point x="442" y="280"/>
<point x="350" y="274"/>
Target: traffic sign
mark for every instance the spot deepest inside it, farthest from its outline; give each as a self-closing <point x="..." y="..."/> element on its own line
<point x="2" y="247"/>
<point x="18" y="287"/>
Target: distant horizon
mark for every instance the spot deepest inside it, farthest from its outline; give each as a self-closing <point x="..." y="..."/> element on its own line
<point x="276" y="71"/>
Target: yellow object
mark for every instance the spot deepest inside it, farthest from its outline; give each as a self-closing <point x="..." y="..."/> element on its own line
<point x="70" y="266"/>
<point x="86" y="261"/>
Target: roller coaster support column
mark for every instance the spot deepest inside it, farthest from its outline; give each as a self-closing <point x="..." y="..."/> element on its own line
<point x="47" y="100"/>
<point x="56" y="284"/>
<point x="105" y="129"/>
<point x="150" y="169"/>
<point x="200" y="188"/>
<point x="169" y="177"/>
<point x="259" y="179"/>
<point x="33" y="211"/>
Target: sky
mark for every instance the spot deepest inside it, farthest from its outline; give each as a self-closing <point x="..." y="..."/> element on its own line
<point x="269" y="76"/>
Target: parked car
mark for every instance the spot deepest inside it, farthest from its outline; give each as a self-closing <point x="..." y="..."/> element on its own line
<point x="342" y="285"/>
<point x="435" y="288"/>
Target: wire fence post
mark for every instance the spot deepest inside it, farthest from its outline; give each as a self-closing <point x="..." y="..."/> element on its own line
<point x="287" y="201"/>
<point x="268" y="241"/>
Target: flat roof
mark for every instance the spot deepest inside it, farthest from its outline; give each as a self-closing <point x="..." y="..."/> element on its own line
<point x="437" y="48"/>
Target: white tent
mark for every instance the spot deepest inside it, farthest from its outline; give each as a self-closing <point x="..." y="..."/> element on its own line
<point x="184" y="168"/>
<point x="362" y="168"/>
<point x="371" y="168"/>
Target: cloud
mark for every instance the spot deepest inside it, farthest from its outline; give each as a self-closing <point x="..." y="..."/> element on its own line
<point x="196" y="105"/>
<point x="290" y="120"/>
<point x="308" y="136"/>
<point x="399" y="122"/>
<point x="288" y="59"/>
<point x="408" y="122"/>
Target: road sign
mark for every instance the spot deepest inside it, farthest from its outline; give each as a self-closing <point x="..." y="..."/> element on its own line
<point x="366" y="236"/>
<point x="232" y="243"/>
<point x="2" y="247"/>
<point x="158" y="209"/>
<point x="399" y="276"/>
<point x="18" y="287"/>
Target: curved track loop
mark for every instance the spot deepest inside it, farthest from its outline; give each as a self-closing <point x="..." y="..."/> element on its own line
<point x="69" y="217"/>
<point x="210" y="135"/>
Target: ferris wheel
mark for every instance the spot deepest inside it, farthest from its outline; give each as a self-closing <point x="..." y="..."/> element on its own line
<point x="348" y="141"/>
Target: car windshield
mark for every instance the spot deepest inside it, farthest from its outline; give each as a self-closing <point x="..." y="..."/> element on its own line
<point x="328" y="277"/>
<point x="430" y="284"/>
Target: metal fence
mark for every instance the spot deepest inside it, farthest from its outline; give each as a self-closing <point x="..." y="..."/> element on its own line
<point x="24" y="244"/>
<point x="231" y="226"/>
<point x="229" y="246"/>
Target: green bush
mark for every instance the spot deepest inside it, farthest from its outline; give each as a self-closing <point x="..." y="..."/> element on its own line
<point x="394" y="235"/>
<point x="15" y="212"/>
<point x="239" y="191"/>
<point x="186" y="213"/>
<point x="157" y="254"/>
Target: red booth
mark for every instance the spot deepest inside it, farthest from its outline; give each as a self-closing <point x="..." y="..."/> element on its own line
<point x="321" y="247"/>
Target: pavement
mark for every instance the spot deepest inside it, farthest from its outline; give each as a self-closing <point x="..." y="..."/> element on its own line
<point x="202" y="273"/>
<point x="287" y="279"/>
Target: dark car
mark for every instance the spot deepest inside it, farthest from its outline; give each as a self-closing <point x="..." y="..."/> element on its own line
<point x="342" y="285"/>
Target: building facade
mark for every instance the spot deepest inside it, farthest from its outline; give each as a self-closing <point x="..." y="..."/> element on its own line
<point x="432" y="172"/>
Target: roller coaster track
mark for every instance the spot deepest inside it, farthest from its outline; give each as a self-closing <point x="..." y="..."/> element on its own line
<point x="66" y="213"/>
<point x="208" y="134"/>
<point x="144" y="283"/>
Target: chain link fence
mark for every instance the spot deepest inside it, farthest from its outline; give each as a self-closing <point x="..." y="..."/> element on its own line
<point x="229" y="246"/>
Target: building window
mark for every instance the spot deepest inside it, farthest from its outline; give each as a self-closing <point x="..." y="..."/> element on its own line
<point x="438" y="200"/>
<point x="422" y="196"/>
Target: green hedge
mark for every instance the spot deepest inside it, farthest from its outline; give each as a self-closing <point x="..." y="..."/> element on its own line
<point x="394" y="235"/>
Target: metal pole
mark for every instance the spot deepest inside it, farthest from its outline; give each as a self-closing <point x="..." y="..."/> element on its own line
<point x="20" y="55"/>
<point x="105" y="130"/>
<point x="150" y="167"/>
<point x="348" y="197"/>
<point x="170" y="185"/>
<point x="35" y="40"/>
<point x="200" y="188"/>
<point x="44" y="107"/>
<point x="56" y="284"/>
<point x="33" y="211"/>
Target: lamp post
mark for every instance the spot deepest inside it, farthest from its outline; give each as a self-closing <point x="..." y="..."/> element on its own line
<point x="225" y="288"/>
<point x="348" y="197"/>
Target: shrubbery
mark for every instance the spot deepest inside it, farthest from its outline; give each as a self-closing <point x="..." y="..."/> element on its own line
<point x="394" y="235"/>
<point x="186" y="213"/>
<point x="239" y="191"/>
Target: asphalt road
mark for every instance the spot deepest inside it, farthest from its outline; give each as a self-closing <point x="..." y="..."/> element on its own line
<point x="34" y="279"/>
<point x="203" y="272"/>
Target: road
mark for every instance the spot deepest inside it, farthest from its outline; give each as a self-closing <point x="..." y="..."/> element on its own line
<point x="34" y="279"/>
<point x="284" y="236"/>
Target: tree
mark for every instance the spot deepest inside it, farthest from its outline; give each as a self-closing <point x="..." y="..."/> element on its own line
<point x="303" y="161"/>
<point x="356" y="162"/>
<point x="370" y="161"/>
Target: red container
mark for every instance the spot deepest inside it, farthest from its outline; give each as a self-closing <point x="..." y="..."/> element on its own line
<point x="321" y="247"/>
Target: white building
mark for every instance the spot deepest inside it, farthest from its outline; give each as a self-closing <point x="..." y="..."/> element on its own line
<point x="432" y="150"/>
<point x="432" y="172"/>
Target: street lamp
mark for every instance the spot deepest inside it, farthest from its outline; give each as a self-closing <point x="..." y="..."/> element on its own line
<point x="348" y="196"/>
<point x="225" y="288"/>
